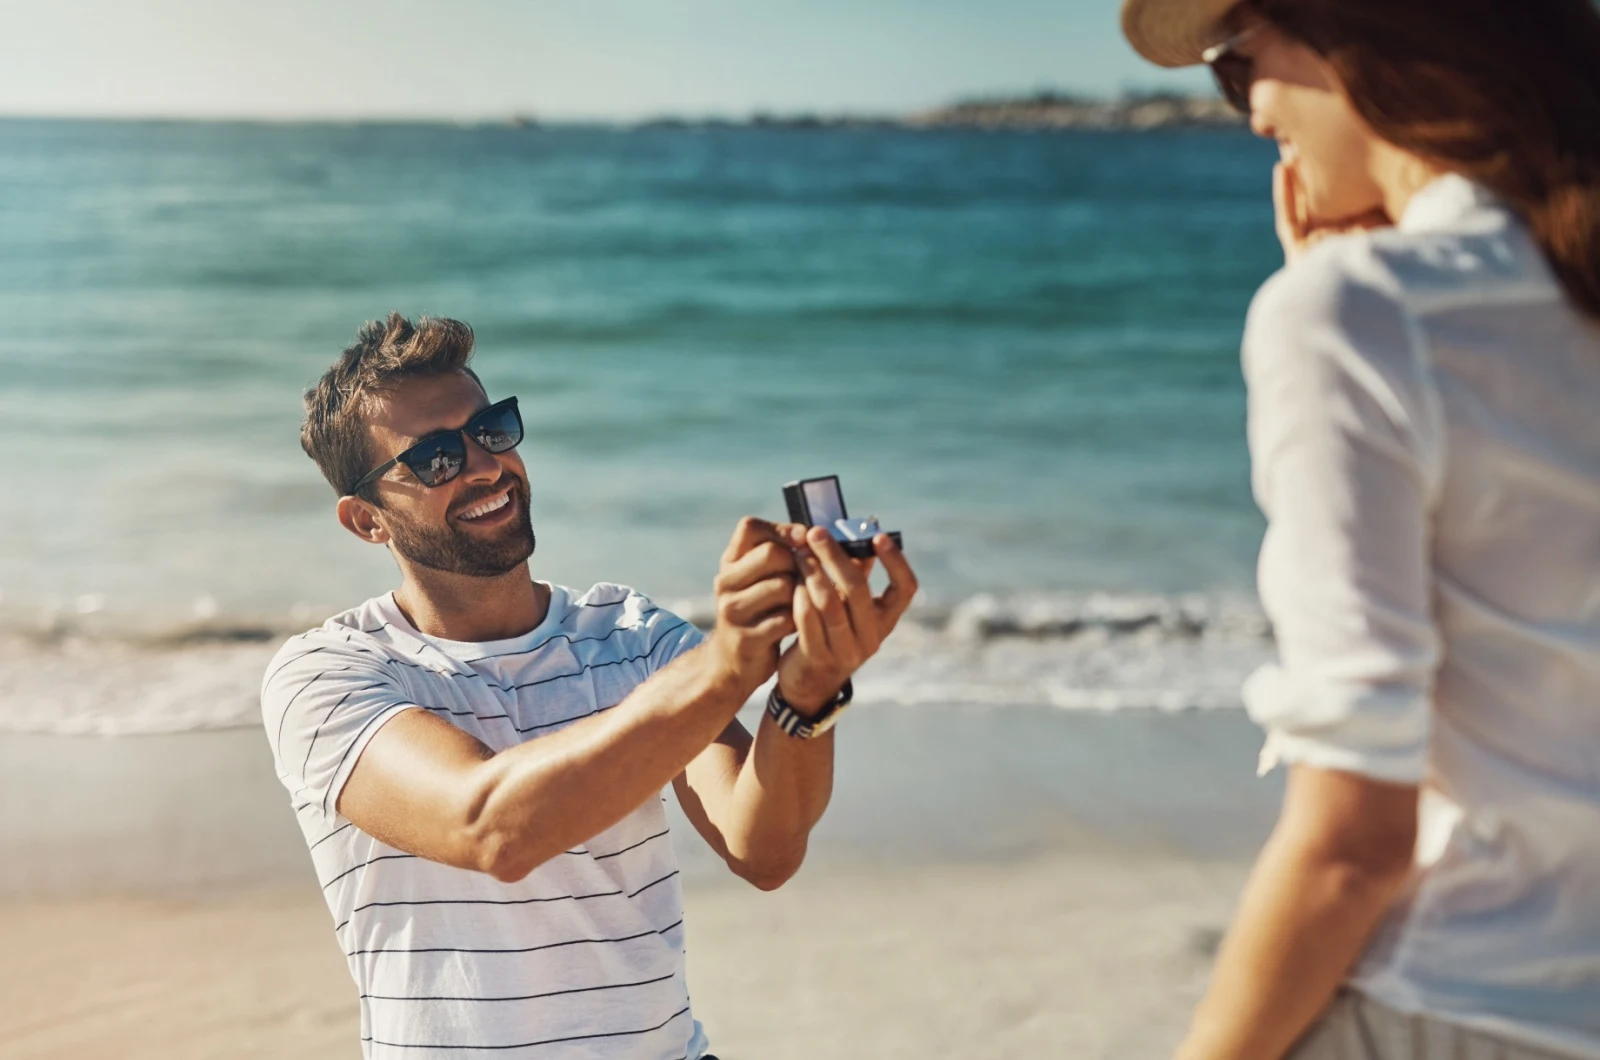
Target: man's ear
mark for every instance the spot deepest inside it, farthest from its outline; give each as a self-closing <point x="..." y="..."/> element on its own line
<point x="361" y="519"/>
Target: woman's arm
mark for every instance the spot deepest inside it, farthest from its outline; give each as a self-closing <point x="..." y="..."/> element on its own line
<point x="1347" y="448"/>
<point x="1341" y="853"/>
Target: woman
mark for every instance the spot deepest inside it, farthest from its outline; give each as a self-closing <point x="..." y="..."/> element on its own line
<point x="1425" y="435"/>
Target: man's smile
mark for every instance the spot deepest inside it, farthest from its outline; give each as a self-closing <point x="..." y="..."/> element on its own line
<point x="494" y="509"/>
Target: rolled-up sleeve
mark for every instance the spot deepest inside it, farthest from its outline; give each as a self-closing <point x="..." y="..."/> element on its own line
<point x="1346" y="455"/>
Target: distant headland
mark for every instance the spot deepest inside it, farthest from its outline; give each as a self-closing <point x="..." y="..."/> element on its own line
<point x="1039" y="111"/>
<point x="1053" y="110"/>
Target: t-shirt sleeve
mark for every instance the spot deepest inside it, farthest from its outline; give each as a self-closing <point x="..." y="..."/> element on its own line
<point x="321" y="703"/>
<point x="669" y="636"/>
<point x="1345" y="446"/>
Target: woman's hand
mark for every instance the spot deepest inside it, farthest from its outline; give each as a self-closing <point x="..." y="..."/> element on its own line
<point x="1298" y="231"/>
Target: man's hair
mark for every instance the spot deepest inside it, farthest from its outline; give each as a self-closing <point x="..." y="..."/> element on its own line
<point x="385" y="354"/>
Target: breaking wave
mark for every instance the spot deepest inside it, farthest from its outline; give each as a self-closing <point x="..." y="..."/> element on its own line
<point x="1095" y="651"/>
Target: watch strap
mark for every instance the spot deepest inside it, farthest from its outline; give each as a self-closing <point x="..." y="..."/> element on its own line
<point x="798" y="725"/>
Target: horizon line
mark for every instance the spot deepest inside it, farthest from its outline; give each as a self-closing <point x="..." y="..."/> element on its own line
<point x="532" y="117"/>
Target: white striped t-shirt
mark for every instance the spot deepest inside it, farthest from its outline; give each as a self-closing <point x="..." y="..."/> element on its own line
<point x="584" y="958"/>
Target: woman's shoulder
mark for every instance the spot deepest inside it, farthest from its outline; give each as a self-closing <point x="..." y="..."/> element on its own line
<point x="1486" y="258"/>
<point x="1339" y="305"/>
<point x="1336" y="282"/>
<point x="1335" y="331"/>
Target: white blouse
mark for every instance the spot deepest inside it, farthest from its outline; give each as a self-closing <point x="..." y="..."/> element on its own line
<point x="1425" y="438"/>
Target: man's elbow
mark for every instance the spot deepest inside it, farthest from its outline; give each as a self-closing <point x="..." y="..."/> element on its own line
<point x="492" y="844"/>
<point x="769" y="879"/>
<point x="496" y="854"/>
<point x="771" y="872"/>
<point x="507" y="856"/>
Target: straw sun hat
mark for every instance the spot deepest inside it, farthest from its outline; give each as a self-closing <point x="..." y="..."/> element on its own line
<point x="1174" y="32"/>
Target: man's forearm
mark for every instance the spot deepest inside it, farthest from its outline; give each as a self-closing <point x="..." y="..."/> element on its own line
<point x="756" y="801"/>
<point x="537" y="799"/>
<point x="780" y="794"/>
<point x="1304" y="919"/>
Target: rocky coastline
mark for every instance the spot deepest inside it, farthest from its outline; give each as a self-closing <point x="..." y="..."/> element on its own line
<point x="1049" y="110"/>
<point x="1039" y="112"/>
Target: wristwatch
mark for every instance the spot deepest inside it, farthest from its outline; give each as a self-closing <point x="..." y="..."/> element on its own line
<point x="804" y="728"/>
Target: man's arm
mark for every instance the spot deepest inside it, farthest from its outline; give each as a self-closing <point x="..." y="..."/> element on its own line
<point x="756" y="801"/>
<point x="428" y="788"/>
<point x="1340" y="855"/>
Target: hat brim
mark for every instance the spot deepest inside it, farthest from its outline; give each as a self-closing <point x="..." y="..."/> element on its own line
<point x="1174" y="33"/>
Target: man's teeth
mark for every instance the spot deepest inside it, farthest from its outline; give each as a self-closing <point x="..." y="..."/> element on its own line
<point x="479" y="511"/>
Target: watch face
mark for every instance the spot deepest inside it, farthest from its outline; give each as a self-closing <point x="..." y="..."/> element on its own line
<point x="823" y="724"/>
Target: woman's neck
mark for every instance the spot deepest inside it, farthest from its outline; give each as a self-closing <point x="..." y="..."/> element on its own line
<point x="1399" y="176"/>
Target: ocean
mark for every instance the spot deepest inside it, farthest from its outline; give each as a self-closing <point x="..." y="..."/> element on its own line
<point x="1021" y="350"/>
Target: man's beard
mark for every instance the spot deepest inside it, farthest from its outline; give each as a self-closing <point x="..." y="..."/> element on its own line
<point x="446" y="548"/>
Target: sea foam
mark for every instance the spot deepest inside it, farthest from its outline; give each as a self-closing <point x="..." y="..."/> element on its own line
<point x="1097" y="651"/>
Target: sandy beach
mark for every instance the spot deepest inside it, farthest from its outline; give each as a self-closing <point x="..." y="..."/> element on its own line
<point x="997" y="883"/>
<point x="1086" y="955"/>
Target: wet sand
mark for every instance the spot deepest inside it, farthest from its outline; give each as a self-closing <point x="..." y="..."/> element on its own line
<point x="988" y="883"/>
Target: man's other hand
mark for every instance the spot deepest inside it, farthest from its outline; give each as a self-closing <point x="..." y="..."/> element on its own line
<point x="755" y="589"/>
<point x="841" y="624"/>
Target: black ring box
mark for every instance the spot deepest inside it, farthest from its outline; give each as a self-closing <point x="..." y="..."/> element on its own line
<point x="798" y="496"/>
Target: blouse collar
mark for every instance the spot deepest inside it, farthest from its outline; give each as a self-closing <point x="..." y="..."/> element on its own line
<point x="1446" y="201"/>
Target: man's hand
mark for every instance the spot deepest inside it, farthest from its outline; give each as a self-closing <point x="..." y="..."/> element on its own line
<point x="755" y="800"/>
<point x="1298" y="231"/>
<point x="841" y="624"/>
<point x="755" y="588"/>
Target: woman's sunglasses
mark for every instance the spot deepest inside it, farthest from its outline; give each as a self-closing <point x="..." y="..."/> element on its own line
<point x="1234" y="71"/>
<point x="440" y="456"/>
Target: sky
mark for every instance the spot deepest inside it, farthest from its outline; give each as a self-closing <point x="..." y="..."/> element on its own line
<point x="551" y="59"/>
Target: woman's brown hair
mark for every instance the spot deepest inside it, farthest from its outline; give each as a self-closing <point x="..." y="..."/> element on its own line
<point x="1504" y="92"/>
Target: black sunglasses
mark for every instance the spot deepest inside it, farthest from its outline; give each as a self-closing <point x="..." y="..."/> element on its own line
<point x="440" y="456"/>
<point x="1233" y="70"/>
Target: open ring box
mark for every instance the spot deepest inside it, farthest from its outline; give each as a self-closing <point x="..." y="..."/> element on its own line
<point x="820" y="502"/>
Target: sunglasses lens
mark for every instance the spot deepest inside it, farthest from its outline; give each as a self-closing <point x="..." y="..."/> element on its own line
<point x="1234" y="74"/>
<point x="437" y="460"/>
<point x="498" y="428"/>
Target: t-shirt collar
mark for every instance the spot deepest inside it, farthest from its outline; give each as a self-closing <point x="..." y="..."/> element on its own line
<point x="468" y="651"/>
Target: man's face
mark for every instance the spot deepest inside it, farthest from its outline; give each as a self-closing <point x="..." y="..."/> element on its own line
<point x="478" y="523"/>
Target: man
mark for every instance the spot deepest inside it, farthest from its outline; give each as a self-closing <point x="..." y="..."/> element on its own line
<point x="477" y="759"/>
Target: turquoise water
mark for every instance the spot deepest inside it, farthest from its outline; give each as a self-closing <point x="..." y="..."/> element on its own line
<point x="1020" y="350"/>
